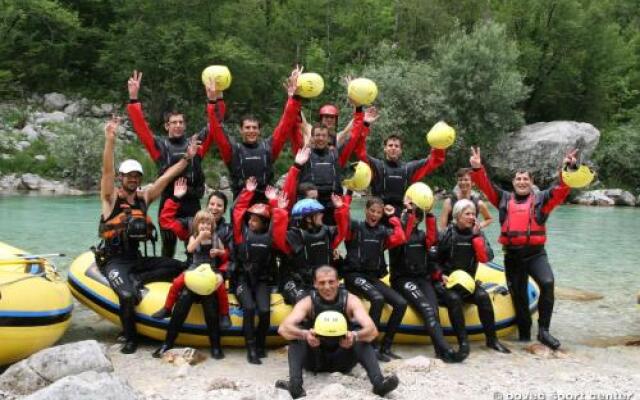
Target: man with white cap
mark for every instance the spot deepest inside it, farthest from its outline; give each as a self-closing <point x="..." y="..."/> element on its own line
<point x="124" y="223"/>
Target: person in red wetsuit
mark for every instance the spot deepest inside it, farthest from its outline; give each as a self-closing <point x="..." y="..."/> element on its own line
<point x="364" y="266"/>
<point x="462" y="247"/>
<point x="522" y="215"/>
<point x="205" y="247"/>
<point x="253" y="235"/>
<point x="165" y="151"/>
<point x="253" y="156"/>
<point x="392" y="176"/>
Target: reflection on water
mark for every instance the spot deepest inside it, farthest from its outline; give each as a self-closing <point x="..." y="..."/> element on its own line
<point x="589" y="248"/>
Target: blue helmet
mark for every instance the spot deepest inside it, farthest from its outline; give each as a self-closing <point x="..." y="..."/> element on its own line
<point x="306" y="207"/>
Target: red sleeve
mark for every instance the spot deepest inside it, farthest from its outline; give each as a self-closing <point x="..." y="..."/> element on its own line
<point x="342" y="223"/>
<point x="431" y="230"/>
<point x="436" y="275"/>
<point x="285" y="126"/>
<point x="480" y="249"/>
<point x="273" y="203"/>
<point x="297" y="141"/>
<point x="213" y="127"/>
<point x="242" y="204"/>
<point x="142" y="129"/>
<point x="397" y="237"/>
<point x="353" y="142"/>
<point x="218" y="136"/>
<point x="436" y="159"/>
<point x="480" y="178"/>
<point x="411" y="223"/>
<point x="290" y="186"/>
<point x="169" y="221"/>
<point x="221" y="108"/>
<point x="557" y="196"/>
<point x="224" y="261"/>
<point x="280" y="221"/>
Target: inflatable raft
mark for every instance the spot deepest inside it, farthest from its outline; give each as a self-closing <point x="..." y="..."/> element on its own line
<point x="35" y="304"/>
<point x="91" y="288"/>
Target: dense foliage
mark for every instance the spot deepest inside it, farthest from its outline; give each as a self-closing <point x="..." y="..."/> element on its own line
<point x="487" y="67"/>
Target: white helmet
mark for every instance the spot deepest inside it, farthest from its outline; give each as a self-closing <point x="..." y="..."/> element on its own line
<point x="130" y="166"/>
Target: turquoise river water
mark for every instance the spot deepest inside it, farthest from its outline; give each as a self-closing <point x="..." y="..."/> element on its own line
<point x="589" y="248"/>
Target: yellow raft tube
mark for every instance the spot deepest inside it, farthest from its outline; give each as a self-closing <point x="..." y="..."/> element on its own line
<point x="91" y="288"/>
<point x="35" y="304"/>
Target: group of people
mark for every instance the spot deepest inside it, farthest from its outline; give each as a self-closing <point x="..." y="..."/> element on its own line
<point x="288" y="240"/>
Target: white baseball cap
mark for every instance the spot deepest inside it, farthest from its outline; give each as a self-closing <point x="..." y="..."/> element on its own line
<point x="130" y="166"/>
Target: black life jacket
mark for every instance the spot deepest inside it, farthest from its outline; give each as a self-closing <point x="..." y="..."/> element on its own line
<point x="393" y="183"/>
<point x="225" y="232"/>
<point x="316" y="252"/>
<point x="410" y="259"/>
<point x="254" y="255"/>
<point x="454" y="199"/>
<point x="365" y="251"/>
<point x="202" y="254"/>
<point x="459" y="248"/>
<point x="174" y="150"/>
<point x="321" y="305"/>
<point x="127" y="226"/>
<point x="248" y="161"/>
<point x="322" y="170"/>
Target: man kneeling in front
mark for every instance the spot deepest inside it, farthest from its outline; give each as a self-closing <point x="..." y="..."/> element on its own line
<point x="323" y="337"/>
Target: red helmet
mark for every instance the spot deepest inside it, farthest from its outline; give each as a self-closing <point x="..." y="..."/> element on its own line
<point x="261" y="210"/>
<point x="329" y="109"/>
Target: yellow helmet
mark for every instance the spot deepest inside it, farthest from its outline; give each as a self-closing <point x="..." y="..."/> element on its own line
<point x="201" y="280"/>
<point x="309" y="85"/>
<point x="362" y="91"/>
<point x="421" y="195"/>
<point x="220" y="74"/>
<point x="461" y="280"/>
<point x="577" y="178"/>
<point x="330" y="324"/>
<point x="361" y="177"/>
<point x="441" y="136"/>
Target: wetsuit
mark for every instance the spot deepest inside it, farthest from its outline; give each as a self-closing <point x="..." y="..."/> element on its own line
<point x="523" y="235"/>
<point x="391" y="179"/>
<point x="331" y="358"/>
<point x="308" y="250"/>
<point x="253" y="257"/>
<point x="246" y="160"/>
<point x="411" y="277"/>
<point x="364" y="266"/>
<point x="462" y="249"/>
<point x="165" y="152"/>
<point x="125" y="267"/>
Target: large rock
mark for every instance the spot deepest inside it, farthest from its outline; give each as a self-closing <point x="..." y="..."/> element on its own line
<point x="621" y="197"/>
<point x="87" y="385"/>
<point x="47" y="118"/>
<point x="77" y="108"/>
<point x="10" y="182"/>
<point x="540" y="148"/>
<point x="593" y="198"/>
<point x="54" y="101"/>
<point x="30" y="132"/>
<point x="54" y="363"/>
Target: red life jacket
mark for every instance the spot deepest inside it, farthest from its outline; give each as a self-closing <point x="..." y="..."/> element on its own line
<point x="520" y="227"/>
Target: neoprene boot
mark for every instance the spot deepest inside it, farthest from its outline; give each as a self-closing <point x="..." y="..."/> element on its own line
<point x="261" y="348"/>
<point x="379" y="354"/>
<point x="545" y="338"/>
<point x="385" y="350"/>
<point x="216" y="348"/>
<point x="295" y="389"/>
<point x="524" y="335"/>
<point x="386" y="385"/>
<point x="161" y="314"/>
<point x="129" y="347"/>
<point x="464" y="349"/>
<point x="252" y="354"/>
<point x="449" y="355"/>
<point x="494" y="343"/>
<point x="160" y="351"/>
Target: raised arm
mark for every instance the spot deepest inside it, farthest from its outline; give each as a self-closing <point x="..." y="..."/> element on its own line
<point x="140" y="126"/>
<point x="360" y="128"/>
<point x="418" y="169"/>
<point x="481" y="179"/>
<point x="168" y="215"/>
<point x="241" y="206"/>
<point x="107" y="181"/>
<point x="397" y="237"/>
<point x="156" y="188"/>
<point x="289" y="119"/>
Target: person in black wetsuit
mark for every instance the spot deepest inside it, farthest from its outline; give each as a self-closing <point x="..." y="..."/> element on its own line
<point x="411" y="276"/>
<point x="124" y="224"/>
<point x="523" y="215"/>
<point x="461" y="248"/>
<point x="307" y="350"/>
